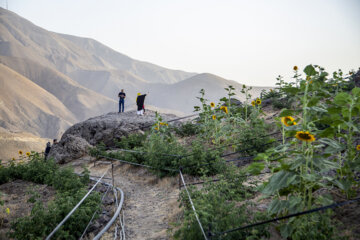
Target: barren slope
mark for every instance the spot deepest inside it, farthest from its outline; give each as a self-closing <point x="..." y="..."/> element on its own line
<point x="24" y="106"/>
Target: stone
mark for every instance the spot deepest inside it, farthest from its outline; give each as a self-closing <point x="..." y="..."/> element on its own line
<point x="108" y="200"/>
<point x="78" y="139"/>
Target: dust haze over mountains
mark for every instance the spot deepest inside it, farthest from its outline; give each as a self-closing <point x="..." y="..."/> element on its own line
<point x="50" y="81"/>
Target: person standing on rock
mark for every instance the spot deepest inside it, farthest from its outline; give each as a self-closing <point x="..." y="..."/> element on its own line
<point x="140" y="104"/>
<point x="47" y="150"/>
<point x="122" y="97"/>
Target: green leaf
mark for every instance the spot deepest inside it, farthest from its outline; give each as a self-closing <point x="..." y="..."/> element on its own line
<point x="318" y="109"/>
<point x="356" y="91"/>
<point x="331" y="142"/>
<point x="334" y="110"/>
<point x="286" y="112"/>
<point x="291" y="90"/>
<point x="310" y="70"/>
<point x="278" y="181"/>
<point x="310" y="177"/>
<point x="313" y="101"/>
<point x="327" y="132"/>
<point x="342" y="98"/>
<point x="255" y="168"/>
<point x="343" y="184"/>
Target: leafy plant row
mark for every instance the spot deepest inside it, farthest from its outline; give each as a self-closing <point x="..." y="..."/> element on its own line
<point x="70" y="189"/>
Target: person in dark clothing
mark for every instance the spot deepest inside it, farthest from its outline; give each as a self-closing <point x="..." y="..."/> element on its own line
<point x="140" y="103"/>
<point x="47" y="150"/>
<point x="122" y="97"/>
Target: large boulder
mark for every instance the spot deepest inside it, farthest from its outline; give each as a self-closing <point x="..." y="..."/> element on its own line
<point x="77" y="140"/>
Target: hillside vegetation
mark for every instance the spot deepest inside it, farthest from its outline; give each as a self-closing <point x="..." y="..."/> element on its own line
<point x="304" y="158"/>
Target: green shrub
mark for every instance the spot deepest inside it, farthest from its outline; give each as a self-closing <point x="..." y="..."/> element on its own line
<point x="70" y="190"/>
<point x="187" y="129"/>
<point x="44" y="219"/>
<point x="162" y="151"/>
<point x="131" y="141"/>
<point x="200" y="161"/>
<point x="251" y="137"/>
<point x="216" y="206"/>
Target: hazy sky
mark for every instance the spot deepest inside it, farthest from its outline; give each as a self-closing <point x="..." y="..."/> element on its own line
<point x="251" y="42"/>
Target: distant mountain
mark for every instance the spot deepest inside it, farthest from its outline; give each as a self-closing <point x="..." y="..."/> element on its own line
<point x="73" y="55"/>
<point x="24" y="106"/>
<point x="82" y="102"/>
<point x="183" y="94"/>
<point x="50" y="81"/>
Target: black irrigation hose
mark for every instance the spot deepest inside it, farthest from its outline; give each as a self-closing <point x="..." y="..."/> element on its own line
<point x="334" y="205"/>
<point x="172" y="120"/>
<point x="250" y="148"/>
<point x="216" y="180"/>
<point x="234" y="144"/>
<point x="141" y="165"/>
<point x="229" y="154"/>
<point x="191" y="154"/>
<point x="142" y="152"/>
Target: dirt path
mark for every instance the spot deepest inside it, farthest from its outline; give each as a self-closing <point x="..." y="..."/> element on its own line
<point x="150" y="203"/>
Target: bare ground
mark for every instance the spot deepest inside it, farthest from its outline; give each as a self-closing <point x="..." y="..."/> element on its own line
<point x="15" y="195"/>
<point x="150" y="203"/>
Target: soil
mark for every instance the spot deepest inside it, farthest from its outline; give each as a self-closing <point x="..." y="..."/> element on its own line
<point x="15" y="196"/>
<point x="151" y="204"/>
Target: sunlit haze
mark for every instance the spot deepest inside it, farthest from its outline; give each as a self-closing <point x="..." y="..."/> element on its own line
<point x="250" y="42"/>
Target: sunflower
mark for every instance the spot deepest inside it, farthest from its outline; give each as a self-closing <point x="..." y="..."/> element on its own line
<point x="213" y="117"/>
<point x="253" y="103"/>
<point x="7" y="211"/>
<point x="28" y="154"/>
<point x="358" y="147"/>
<point x="258" y="101"/>
<point x="20" y="152"/>
<point x="295" y="68"/>
<point x="225" y="109"/>
<point x="288" y="121"/>
<point x="305" y="136"/>
<point x="157" y="129"/>
<point x="212" y="104"/>
<point x="163" y="124"/>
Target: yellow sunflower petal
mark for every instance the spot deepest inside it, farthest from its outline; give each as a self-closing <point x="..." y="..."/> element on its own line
<point x="305" y="136"/>
<point x="288" y="121"/>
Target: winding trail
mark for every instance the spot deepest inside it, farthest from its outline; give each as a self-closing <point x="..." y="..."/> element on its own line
<point x="151" y="204"/>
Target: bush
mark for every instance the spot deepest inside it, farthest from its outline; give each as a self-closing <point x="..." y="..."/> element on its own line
<point x="162" y="153"/>
<point x="218" y="211"/>
<point x="131" y="141"/>
<point x="200" y="161"/>
<point x="252" y="138"/>
<point x="70" y="190"/>
<point x="43" y="220"/>
<point x="187" y="129"/>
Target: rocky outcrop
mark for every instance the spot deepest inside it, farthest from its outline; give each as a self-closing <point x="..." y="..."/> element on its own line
<point x="77" y="140"/>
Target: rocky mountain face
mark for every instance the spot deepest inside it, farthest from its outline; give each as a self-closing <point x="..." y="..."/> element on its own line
<point x="50" y="81"/>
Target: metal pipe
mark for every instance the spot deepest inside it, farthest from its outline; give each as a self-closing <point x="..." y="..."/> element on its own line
<point x="108" y="225"/>
<point x="74" y="209"/>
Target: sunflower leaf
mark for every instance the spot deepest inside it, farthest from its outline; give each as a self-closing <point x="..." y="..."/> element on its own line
<point x="280" y="180"/>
